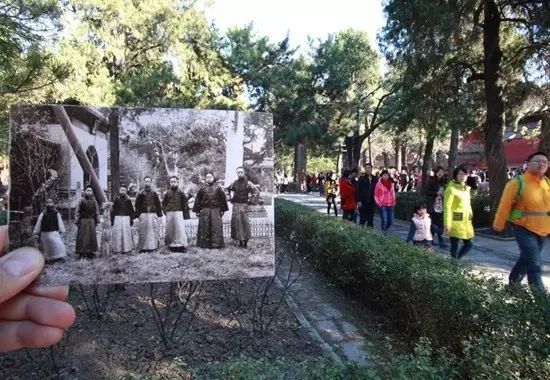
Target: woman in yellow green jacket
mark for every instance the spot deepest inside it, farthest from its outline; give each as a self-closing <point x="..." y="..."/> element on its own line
<point x="457" y="213"/>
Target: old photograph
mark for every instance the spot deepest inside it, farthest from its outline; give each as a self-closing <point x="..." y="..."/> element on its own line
<point x="116" y="195"/>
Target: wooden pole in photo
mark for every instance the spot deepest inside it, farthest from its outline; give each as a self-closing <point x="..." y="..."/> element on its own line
<point x="115" y="152"/>
<point x="67" y="127"/>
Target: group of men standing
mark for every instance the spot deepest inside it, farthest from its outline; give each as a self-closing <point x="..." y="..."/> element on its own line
<point x="210" y="205"/>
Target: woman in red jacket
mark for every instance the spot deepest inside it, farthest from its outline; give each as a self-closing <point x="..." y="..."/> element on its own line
<point x="384" y="196"/>
<point x="348" y="200"/>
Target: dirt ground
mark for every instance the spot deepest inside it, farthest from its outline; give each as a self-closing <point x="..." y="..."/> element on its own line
<point x="231" y="262"/>
<point x="124" y="342"/>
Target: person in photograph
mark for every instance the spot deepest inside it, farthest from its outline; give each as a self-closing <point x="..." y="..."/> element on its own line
<point x="148" y="209"/>
<point x="87" y="218"/>
<point x="132" y="190"/>
<point x="122" y="219"/>
<point x="48" y="226"/>
<point x="242" y="189"/>
<point x="176" y="208"/>
<point x="210" y="205"/>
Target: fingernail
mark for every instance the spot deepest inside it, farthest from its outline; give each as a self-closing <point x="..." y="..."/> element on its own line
<point x="20" y="264"/>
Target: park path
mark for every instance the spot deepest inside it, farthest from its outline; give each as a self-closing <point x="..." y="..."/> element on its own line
<point x="495" y="256"/>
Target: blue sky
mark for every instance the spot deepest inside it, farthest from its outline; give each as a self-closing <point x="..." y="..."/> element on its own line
<point x="298" y="18"/>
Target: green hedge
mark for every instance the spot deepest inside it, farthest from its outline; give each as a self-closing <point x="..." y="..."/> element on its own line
<point x="480" y="207"/>
<point x="485" y="330"/>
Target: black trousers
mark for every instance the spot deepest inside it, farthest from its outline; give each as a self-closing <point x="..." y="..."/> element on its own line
<point x="331" y="200"/>
<point x="366" y="214"/>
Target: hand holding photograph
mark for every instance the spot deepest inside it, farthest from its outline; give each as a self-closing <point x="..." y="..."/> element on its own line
<point x="117" y="195"/>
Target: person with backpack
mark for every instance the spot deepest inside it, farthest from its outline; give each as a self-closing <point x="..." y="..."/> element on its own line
<point x="525" y="202"/>
<point x="458" y="214"/>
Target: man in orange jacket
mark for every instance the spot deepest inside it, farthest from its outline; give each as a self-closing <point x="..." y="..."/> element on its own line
<point x="526" y="204"/>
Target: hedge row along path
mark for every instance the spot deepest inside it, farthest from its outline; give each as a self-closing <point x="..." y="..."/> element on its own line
<point x="495" y="256"/>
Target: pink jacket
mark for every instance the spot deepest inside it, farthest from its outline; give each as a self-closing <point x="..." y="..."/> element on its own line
<point x="384" y="197"/>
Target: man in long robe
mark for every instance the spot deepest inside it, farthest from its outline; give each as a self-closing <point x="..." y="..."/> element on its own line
<point x="242" y="188"/>
<point x="122" y="219"/>
<point x="87" y="218"/>
<point x="148" y="209"/>
<point x="176" y="209"/>
<point x="210" y="205"/>
<point x="48" y="226"/>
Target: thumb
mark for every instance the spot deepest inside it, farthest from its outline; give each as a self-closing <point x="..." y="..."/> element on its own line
<point x="18" y="269"/>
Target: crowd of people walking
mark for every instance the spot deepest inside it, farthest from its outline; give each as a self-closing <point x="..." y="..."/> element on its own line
<point x="446" y="209"/>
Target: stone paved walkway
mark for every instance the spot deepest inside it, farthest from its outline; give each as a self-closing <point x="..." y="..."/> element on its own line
<point x="329" y="316"/>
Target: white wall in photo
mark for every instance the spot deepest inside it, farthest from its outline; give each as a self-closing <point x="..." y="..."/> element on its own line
<point x="98" y="142"/>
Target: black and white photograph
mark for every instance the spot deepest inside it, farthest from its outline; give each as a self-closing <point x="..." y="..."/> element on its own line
<point x="122" y="195"/>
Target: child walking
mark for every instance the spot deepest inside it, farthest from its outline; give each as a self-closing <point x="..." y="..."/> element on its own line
<point x="420" y="232"/>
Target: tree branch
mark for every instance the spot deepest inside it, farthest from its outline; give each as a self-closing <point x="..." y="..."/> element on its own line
<point x="370" y="93"/>
<point x="516" y="20"/>
<point x="477" y="14"/>
<point x="474" y="77"/>
<point x="373" y="123"/>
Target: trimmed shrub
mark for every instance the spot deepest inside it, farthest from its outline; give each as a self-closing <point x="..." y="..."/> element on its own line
<point x="245" y="368"/>
<point x="487" y="328"/>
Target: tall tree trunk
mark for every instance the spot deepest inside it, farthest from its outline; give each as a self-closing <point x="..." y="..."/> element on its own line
<point x="398" y="155"/>
<point x="544" y="143"/>
<point x="347" y="162"/>
<point x="494" y="126"/>
<point x="344" y="163"/>
<point x="404" y="156"/>
<point x="357" y="143"/>
<point x="115" y="152"/>
<point x="300" y="159"/>
<point x="453" y="148"/>
<point x="427" y="160"/>
<point x="420" y="153"/>
<point x="353" y="150"/>
<point x="386" y="159"/>
<point x="364" y="158"/>
<point x="370" y="151"/>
